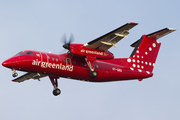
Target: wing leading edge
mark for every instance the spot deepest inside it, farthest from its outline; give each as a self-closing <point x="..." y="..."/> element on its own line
<point x="110" y="39"/>
<point x="28" y="76"/>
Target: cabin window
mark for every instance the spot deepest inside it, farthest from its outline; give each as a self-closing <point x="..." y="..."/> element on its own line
<point x="68" y="61"/>
<point x="64" y="61"/>
<point x="97" y="66"/>
<point x="56" y="59"/>
<point x="29" y="53"/>
<point x="53" y="59"/>
<point x="81" y="63"/>
<point x="74" y="62"/>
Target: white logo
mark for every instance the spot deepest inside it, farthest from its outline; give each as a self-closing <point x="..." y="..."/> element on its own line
<point x="117" y="69"/>
<point x="53" y="65"/>
<point x="91" y="52"/>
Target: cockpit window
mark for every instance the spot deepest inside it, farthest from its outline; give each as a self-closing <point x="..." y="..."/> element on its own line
<point x="29" y="53"/>
<point x="21" y="53"/>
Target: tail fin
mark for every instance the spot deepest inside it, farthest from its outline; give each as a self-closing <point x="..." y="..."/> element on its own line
<point x="146" y="50"/>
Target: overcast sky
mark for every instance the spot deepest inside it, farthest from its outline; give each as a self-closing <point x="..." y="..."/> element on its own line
<point x="40" y="24"/>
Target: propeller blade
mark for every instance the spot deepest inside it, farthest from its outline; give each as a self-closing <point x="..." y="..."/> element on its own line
<point x="67" y="43"/>
<point x="64" y="39"/>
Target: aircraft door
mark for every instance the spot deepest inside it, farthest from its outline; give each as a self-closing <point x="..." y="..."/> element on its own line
<point x="44" y="57"/>
<point x="68" y="62"/>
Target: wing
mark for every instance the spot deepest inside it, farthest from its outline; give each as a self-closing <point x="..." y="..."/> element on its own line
<point x="110" y="39"/>
<point x="28" y="76"/>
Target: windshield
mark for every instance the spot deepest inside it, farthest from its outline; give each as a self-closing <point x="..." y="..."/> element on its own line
<point x="27" y="53"/>
<point x="21" y="53"/>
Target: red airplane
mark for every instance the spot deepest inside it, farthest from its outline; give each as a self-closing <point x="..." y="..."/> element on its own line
<point x="91" y="61"/>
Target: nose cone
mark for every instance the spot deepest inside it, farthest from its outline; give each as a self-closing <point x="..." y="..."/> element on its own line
<point x="8" y="63"/>
<point x="4" y="63"/>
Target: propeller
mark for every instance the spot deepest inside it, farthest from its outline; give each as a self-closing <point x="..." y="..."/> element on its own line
<point x="67" y="43"/>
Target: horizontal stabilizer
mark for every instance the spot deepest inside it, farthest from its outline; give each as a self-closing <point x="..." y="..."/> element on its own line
<point x="158" y="34"/>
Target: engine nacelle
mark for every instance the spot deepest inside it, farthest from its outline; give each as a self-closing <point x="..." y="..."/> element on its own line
<point x="80" y="49"/>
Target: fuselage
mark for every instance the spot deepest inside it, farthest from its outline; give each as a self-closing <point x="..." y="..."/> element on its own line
<point x="73" y="66"/>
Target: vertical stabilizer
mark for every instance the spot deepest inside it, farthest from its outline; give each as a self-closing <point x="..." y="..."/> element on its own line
<point x="146" y="50"/>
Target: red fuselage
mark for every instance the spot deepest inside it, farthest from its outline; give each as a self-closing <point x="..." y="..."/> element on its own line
<point x="73" y="66"/>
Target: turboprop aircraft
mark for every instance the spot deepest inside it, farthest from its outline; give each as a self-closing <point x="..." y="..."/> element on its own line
<point x="91" y="61"/>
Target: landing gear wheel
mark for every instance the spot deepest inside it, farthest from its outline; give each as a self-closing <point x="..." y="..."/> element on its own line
<point x="56" y="92"/>
<point x="93" y="74"/>
<point x="14" y="74"/>
<point x="69" y="52"/>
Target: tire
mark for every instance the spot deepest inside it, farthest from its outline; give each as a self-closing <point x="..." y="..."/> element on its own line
<point x="56" y="92"/>
<point x="93" y="74"/>
<point x="14" y="74"/>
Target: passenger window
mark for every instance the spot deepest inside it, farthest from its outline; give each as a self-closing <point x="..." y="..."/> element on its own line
<point x="64" y="61"/>
<point x="53" y="59"/>
<point x="56" y="59"/>
<point x="74" y="62"/>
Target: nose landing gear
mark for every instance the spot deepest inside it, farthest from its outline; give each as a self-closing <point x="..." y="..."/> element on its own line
<point x="14" y="73"/>
<point x="54" y="82"/>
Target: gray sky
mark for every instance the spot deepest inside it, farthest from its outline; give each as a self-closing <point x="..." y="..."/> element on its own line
<point x="39" y="25"/>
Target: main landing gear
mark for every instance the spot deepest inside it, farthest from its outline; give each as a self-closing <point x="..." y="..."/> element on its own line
<point x="93" y="74"/>
<point x="54" y="82"/>
<point x="90" y="63"/>
<point x="14" y="73"/>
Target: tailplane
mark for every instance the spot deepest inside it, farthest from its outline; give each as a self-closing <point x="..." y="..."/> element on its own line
<point x="146" y="50"/>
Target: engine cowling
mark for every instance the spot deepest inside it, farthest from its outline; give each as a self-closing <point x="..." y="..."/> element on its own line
<point x="79" y="49"/>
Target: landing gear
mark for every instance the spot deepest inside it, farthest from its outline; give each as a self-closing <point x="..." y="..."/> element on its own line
<point x="93" y="74"/>
<point x="90" y="63"/>
<point x="14" y="73"/>
<point x="56" y="92"/>
<point x="54" y="82"/>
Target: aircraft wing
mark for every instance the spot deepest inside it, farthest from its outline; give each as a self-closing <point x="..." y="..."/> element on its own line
<point x="28" y="76"/>
<point x="110" y="39"/>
